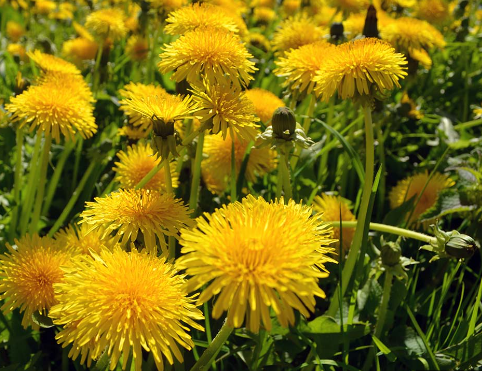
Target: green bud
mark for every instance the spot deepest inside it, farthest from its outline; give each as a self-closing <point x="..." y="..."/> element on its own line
<point x="460" y="246"/>
<point x="161" y="128"/>
<point x="283" y="123"/>
<point x="391" y="253"/>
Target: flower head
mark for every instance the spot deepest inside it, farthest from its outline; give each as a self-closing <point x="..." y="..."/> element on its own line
<point x="49" y="63"/>
<point x="295" y="32"/>
<point x="17" y="50"/>
<point x="216" y="54"/>
<point x="413" y="187"/>
<point x="331" y="208"/>
<point x="79" y="239"/>
<point x="27" y="276"/>
<point x="168" y="6"/>
<point x="228" y="108"/>
<point x="265" y="103"/>
<point x="107" y="23"/>
<point x="80" y="49"/>
<point x="216" y="167"/>
<point x="356" y="68"/>
<point x="299" y="66"/>
<point x="257" y="255"/>
<point x="433" y="11"/>
<point x="125" y="213"/>
<point x="60" y="104"/>
<point x="124" y="302"/>
<point x="198" y="16"/>
<point x="350" y="5"/>
<point x="133" y="133"/>
<point x="14" y="31"/>
<point x="134" y="164"/>
<point x="137" y="48"/>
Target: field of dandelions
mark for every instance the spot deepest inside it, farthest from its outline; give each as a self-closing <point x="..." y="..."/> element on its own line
<point x="240" y="185"/>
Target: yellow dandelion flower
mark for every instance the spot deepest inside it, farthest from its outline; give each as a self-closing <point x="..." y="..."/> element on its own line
<point x="139" y="160"/>
<point x="410" y="108"/>
<point x="134" y="133"/>
<point x="82" y="31"/>
<point x="60" y="104"/>
<point x="218" y="55"/>
<point x="78" y="239"/>
<point x="330" y="208"/>
<point x="295" y="32"/>
<point x="132" y="22"/>
<point x="422" y="57"/>
<point x="354" y="68"/>
<point x="259" y="41"/>
<point x="433" y="11"/>
<point x="124" y="302"/>
<point x="65" y="11"/>
<point x="351" y="5"/>
<point x="263" y="14"/>
<point x="137" y="48"/>
<point x="410" y="33"/>
<point x="107" y="23"/>
<point x="216" y="167"/>
<point x="478" y="112"/>
<point x="44" y="7"/>
<point x="228" y="108"/>
<point x="234" y="6"/>
<point x="28" y="273"/>
<point x="290" y="7"/>
<point x="168" y="6"/>
<point x="257" y="255"/>
<point x="198" y="16"/>
<point x="49" y="63"/>
<point x="325" y="15"/>
<point x="17" y="50"/>
<point x="299" y="66"/>
<point x="268" y="3"/>
<point x="141" y="91"/>
<point x="14" y="31"/>
<point x="355" y="23"/>
<point x="265" y="103"/>
<point x="125" y="213"/>
<point x="413" y="186"/>
<point x="80" y="49"/>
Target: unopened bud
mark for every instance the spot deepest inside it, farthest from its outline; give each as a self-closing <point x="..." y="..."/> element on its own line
<point x="460" y="246"/>
<point x="283" y="123"/>
<point x="391" y="253"/>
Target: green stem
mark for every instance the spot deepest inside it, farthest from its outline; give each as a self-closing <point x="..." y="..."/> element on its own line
<point x="17" y="181"/>
<point x="388" y="229"/>
<point x="306" y="128"/>
<point x="381" y="155"/>
<point x="329" y="122"/>
<point x="78" y="155"/>
<point x="73" y="199"/>
<point x="56" y="177"/>
<point x="41" y="184"/>
<point x="191" y="137"/>
<point x="208" y="356"/>
<point x="31" y="188"/>
<point x="234" y="197"/>
<point x="149" y="176"/>
<point x="362" y="214"/>
<point x="96" y="73"/>
<point x="285" y="178"/>
<point x="169" y="190"/>
<point x="196" y="173"/>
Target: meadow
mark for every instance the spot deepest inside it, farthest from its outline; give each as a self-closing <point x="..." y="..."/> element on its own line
<point x="240" y="185"/>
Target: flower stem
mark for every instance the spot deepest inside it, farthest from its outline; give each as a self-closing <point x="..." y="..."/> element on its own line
<point x="208" y="356"/>
<point x="149" y="176"/>
<point x="234" y="197"/>
<point x="73" y="199"/>
<point x="169" y="190"/>
<point x="44" y="161"/>
<point x="306" y="128"/>
<point x="31" y="181"/>
<point x="285" y="178"/>
<point x="362" y="213"/>
<point x="388" y="229"/>
<point x="17" y="181"/>
<point x="329" y="122"/>
<point x="96" y="73"/>
<point x="196" y="173"/>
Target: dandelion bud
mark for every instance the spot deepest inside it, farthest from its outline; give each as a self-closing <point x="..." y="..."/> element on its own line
<point x="337" y="31"/>
<point x="283" y="122"/>
<point x="460" y="246"/>
<point x="391" y="253"/>
<point x="371" y="23"/>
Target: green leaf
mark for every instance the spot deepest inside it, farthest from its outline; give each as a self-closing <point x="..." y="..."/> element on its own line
<point x="41" y="320"/>
<point x="448" y="202"/>
<point x="384" y="349"/>
<point x="467" y="353"/>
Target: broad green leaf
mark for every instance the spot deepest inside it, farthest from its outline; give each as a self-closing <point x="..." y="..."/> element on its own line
<point x="448" y="202"/>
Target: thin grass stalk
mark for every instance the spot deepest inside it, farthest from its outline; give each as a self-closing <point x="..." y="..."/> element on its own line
<point x="196" y="173"/>
<point x="17" y="182"/>
<point x="44" y="161"/>
<point x="234" y="196"/>
<point x="306" y="128"/>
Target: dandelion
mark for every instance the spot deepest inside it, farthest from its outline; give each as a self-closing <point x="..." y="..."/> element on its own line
<point x="264" y="14"/>
<point x="356" y="68"/>
<point x="60" y="104"/>
<point x="299" y="66"/>
<point x="255" y="256"/>
<point x="80" y="49"/>
<point x="216" y="167"/>
<point x="136" y="163"/>
<point x="107" y="23"/>
<point x="413" y="186"/>
<point x="295" y="32"/>
<point x="227" y="108"/>
<point x="133" y="133"/>
<point x="433" y="11"/>
<point x="44" y="7"/>
<point x="218" y="55"/>
<point x="78" y="239"/>
<point x="17" y="50"/>
<point x="333" y="208"/>
<point x="124" y="302"/>
<point x="168" y="6"/>
<point x="28" y="273"/>
<point x="350" y="6"/>
<point x="410" y="108"/>
<point x="137" y="48"/>
<point x="421" y="56"/>
<point x="125" y="213"/>
<point x="259" y="41"/>
<point x="51" y="64"/>
<point x="198" y="16"/>
<point x="14" y="31"/>
<point x="265" y="103"/>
